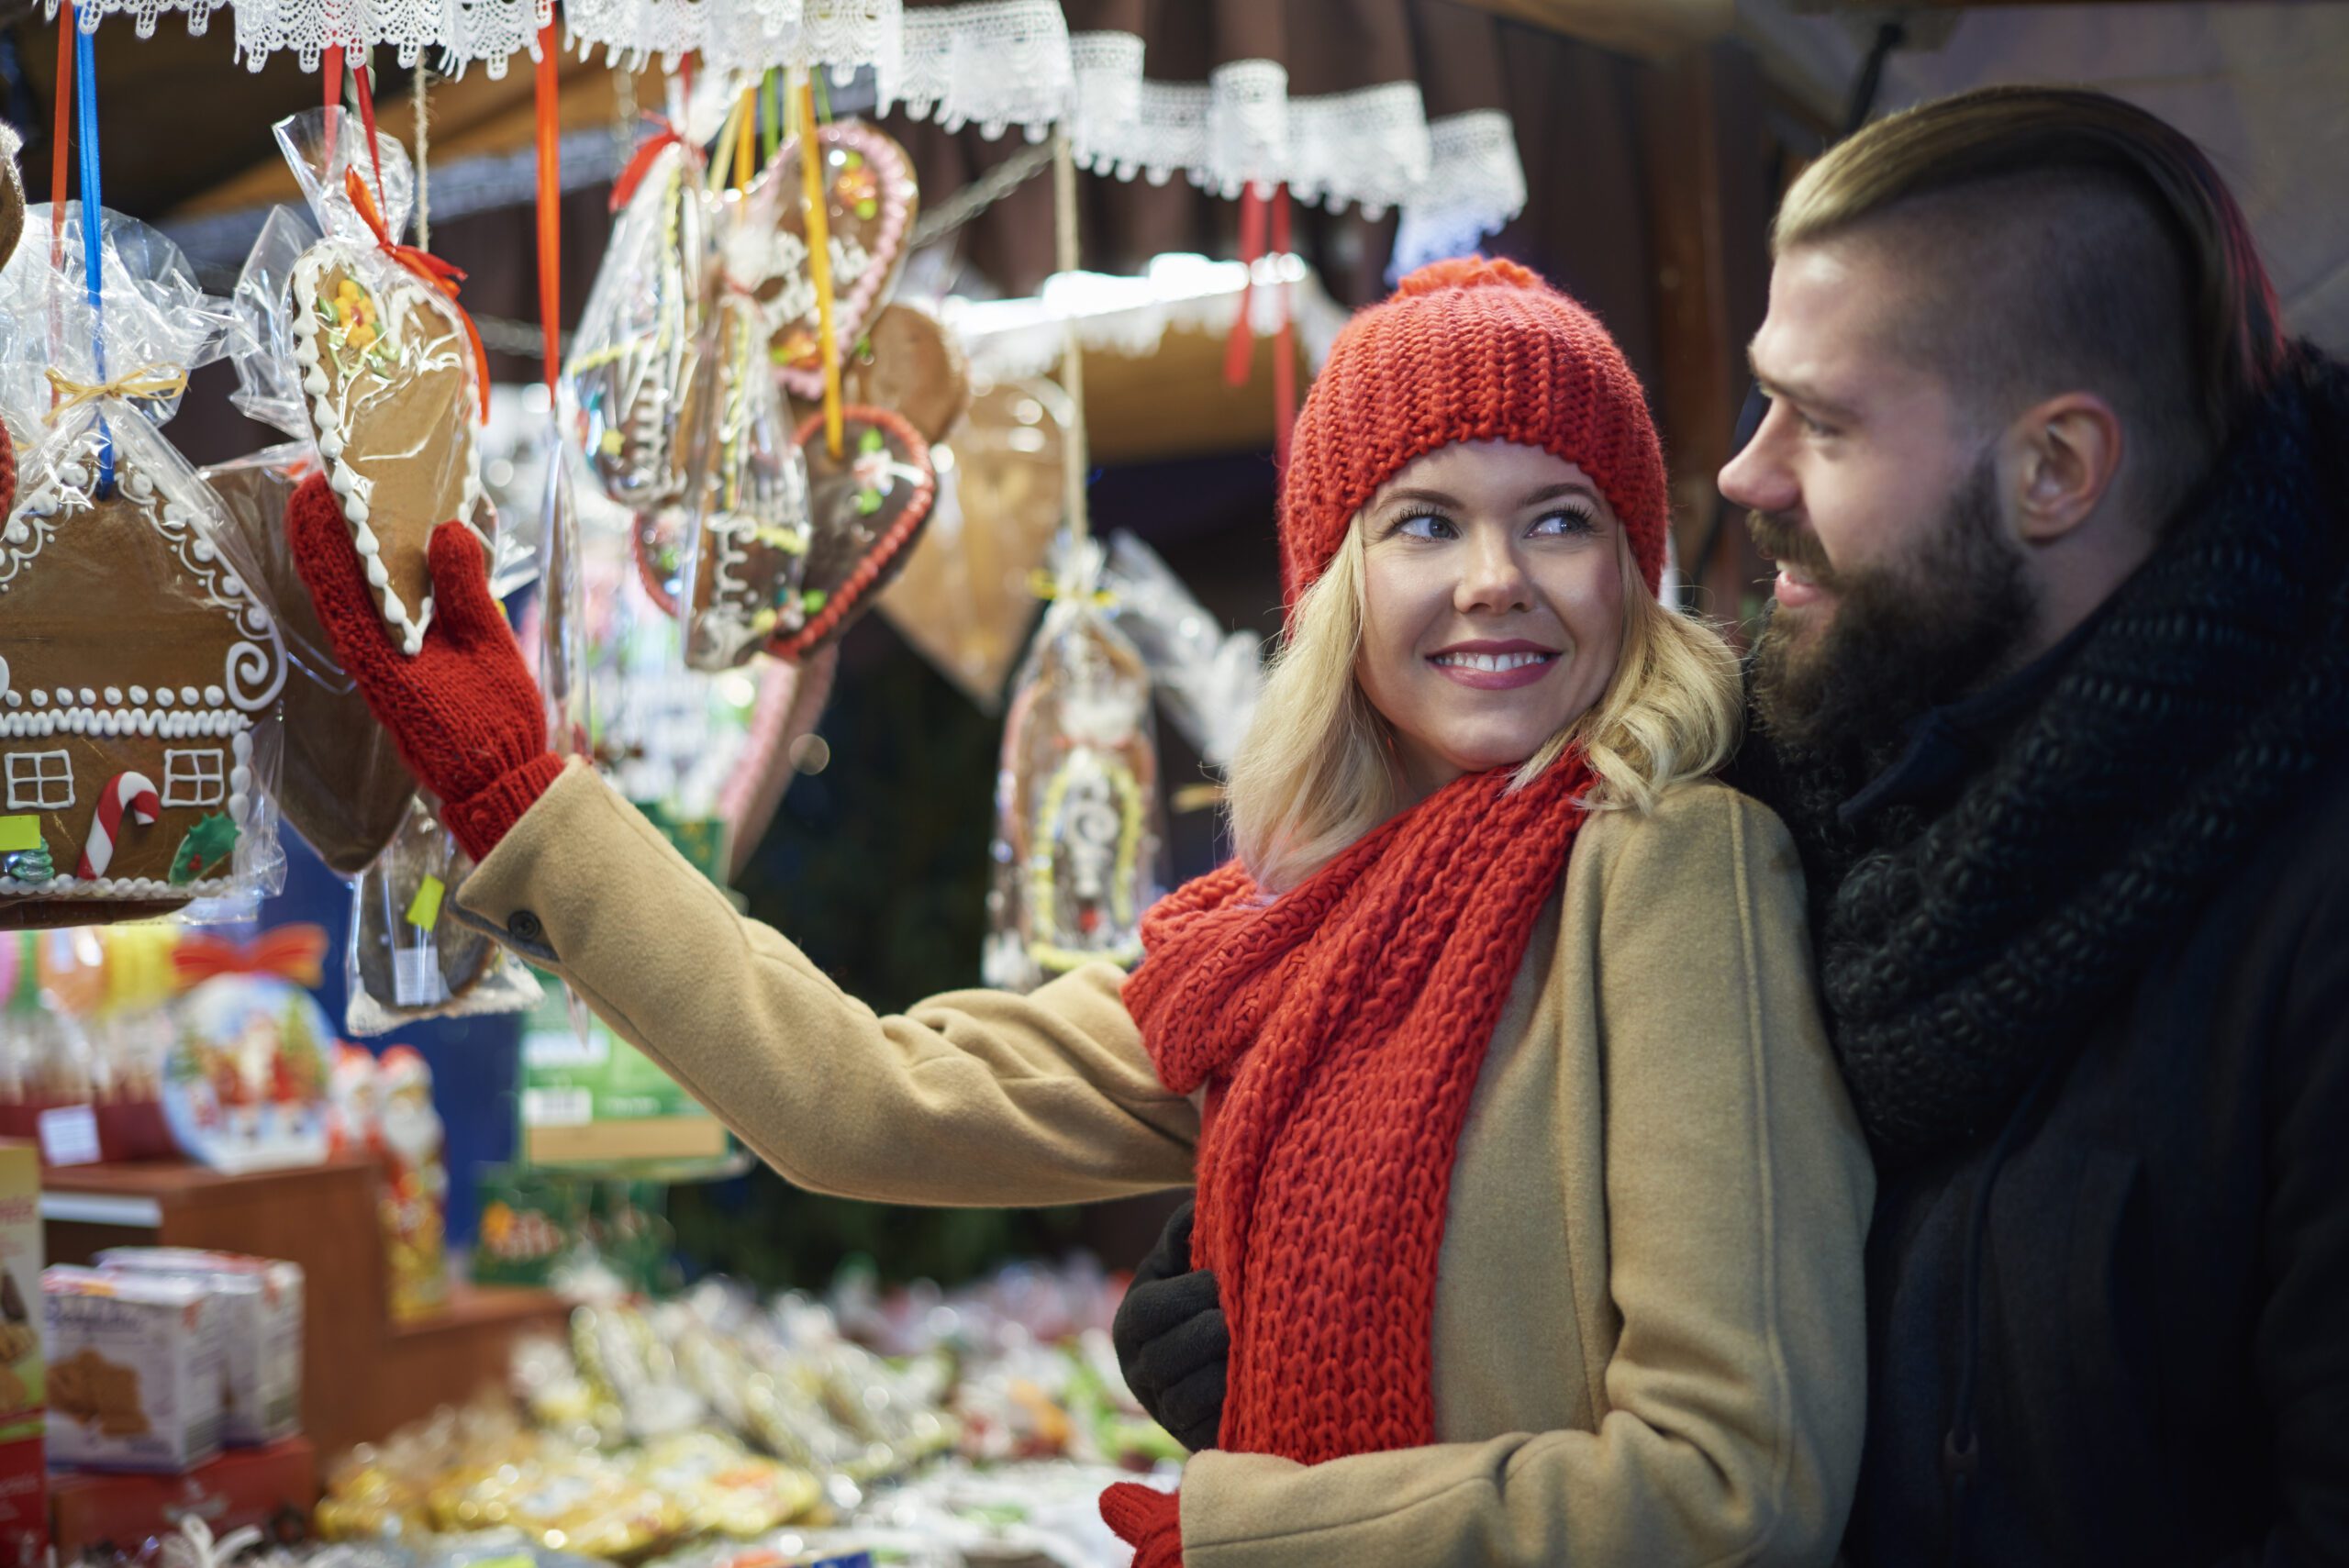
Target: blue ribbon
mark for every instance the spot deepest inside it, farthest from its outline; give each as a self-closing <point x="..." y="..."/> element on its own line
<point x="85" y="96"/>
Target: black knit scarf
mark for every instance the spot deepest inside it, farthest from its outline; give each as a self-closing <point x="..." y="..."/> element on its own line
<point x="1959" y="952"/>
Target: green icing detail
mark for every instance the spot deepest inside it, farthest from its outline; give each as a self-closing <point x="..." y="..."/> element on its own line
<point x="204" y="849"/>
<point x="32" y="865"/>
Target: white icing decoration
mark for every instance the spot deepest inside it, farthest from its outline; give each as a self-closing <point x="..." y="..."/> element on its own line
<point x="473" y="506"/>
<point x="139" y="695"/>
<point x="41" y="697"/>
<point x="114" y="696"/>
<point x="89" y="697"/>
<point x="214" y="696"/>
<point x="164" y="698"/>
<point x="188" y="695"/>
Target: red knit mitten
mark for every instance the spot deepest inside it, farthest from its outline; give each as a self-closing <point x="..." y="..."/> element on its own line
<point x="8" y="475"/>
<point x="1149" y="1520"/>
<point x="467" y="717"/>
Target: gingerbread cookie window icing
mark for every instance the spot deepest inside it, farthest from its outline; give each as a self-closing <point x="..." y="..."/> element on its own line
<point x="140" y="670"/>
<point x="391" y="368"/>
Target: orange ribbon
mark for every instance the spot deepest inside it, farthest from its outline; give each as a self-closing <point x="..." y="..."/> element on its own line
<point x="549" y="94"/>
<point x="290" y="952"/>
<point x="431" y="269"/>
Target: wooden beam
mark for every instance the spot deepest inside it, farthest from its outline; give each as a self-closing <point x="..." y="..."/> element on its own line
<point x="1703" y="126"/>
<point x="1650" y="29"/>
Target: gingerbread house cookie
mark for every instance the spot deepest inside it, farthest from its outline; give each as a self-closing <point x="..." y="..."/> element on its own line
<point x="135" y="669"/>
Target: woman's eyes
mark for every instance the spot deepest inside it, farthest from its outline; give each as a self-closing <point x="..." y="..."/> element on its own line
<point x="1566" y="522"/>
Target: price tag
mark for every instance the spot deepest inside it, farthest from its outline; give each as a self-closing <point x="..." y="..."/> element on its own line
<point x="424" y="909"/>
<point x="19" y="833"/>
<point x="416" y="977"/>
<point x="69" y="1136"/>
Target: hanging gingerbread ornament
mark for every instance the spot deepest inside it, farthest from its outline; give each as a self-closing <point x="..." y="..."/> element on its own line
<point x="910" y="362"/>
<point x="869" y="203"/>
<point x="12" y="197"/>
<point x="140" y="670"/>
<point x="395" y="376"/>
<point x="632" y="357"/>
<point x="1078" y="827"/>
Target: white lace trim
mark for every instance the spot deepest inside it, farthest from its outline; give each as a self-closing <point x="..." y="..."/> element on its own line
<point x="462" y="32"/>
<point x="1475" y="186"/>
<point x="144" y="14"/>
<point x="994" y="64"/>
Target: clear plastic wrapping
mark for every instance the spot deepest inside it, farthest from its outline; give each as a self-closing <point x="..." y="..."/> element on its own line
<point x="389" y="373"/>
<point x="748" y="527"/>
<point x="1208" y="679"/>
<point x="632" y="357"/>
<point x="341" y="784"/>
<point x="407" y="958"/>
<point x="1078" y="823"/>
<point x="141" y="658"/>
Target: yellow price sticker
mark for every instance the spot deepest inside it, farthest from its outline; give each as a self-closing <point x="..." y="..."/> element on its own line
<point x="424" y="909"/>
<point x="19" y="833"/>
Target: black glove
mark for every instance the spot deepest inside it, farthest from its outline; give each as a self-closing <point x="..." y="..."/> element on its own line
<point x="1172" y="1339"/>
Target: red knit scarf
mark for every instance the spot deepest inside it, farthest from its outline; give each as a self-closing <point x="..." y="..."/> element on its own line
<point x="1341" y="1028"/>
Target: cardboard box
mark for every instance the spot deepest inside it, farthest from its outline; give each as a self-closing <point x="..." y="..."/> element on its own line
<point x="135" y="1370"/>
<point x="261" y="1486"/>
<point x="261" y="1303"/>
<point x="24" y="1502"/>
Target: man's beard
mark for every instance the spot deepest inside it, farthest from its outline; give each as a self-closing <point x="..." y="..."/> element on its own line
<point x="1903" y="637"/>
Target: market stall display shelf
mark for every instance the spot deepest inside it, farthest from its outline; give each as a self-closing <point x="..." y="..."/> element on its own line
<point x="363" y="1375"/>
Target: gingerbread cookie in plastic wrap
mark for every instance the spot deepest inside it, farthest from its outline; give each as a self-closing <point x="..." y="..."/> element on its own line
<point x="632" y="357"/>
<point x="394" y="376"/>
<point x="12" y="200"/>
<point x="407" y="960"/>
<point x="745" y="507"/>
<point x="140" y="670"/>
<point x="1078" y="825"/>
<point x="870" y="200"/>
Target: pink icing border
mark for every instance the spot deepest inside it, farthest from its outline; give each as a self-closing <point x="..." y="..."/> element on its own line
<point x="852" y="314"/>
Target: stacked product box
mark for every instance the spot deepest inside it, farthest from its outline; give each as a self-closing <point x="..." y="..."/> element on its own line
<point x="24" y="1498"/>
<point x="136" y="1369"/>
<point x="259" y="1300"/>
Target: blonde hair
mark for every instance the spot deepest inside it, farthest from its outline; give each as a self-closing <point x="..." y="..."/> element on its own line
<point x="1317" y="771"/>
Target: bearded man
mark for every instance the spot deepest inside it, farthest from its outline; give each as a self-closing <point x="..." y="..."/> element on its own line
<point x="2055" y="696"/>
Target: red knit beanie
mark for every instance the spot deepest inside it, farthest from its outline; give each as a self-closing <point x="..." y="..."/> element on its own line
<point x="1468" y="350"/>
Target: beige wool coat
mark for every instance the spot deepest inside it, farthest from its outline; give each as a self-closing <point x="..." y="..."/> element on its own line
<point x="1648" y="1324"/>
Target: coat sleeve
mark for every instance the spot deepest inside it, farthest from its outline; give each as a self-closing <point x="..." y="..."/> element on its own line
<point x="1738" y="1192"/>
<point x="974" y="1097"/>
<point x="2301" y="1350"/>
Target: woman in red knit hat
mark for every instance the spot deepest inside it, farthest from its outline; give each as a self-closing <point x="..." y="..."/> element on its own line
<point x="1500" y="989"/>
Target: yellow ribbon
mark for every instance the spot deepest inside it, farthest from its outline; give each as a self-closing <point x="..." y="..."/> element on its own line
<point x="146" y="382"/>
<point x="1045" y="586"/>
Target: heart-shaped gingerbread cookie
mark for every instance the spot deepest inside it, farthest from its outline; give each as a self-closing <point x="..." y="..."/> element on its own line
<point x="967" y="597"/>
<point x="907" y="360"/>
<point x="388" y="373"/>
<point x="867" y="506"/>
<point x="871" y="199"/>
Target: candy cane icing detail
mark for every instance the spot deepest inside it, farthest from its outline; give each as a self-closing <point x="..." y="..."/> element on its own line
<point x="132" y="792"/>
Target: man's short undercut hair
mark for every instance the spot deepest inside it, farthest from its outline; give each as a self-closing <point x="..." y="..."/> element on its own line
<point x="2061" y="240"/>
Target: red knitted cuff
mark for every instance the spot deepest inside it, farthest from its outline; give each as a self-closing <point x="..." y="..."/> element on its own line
<point x="8" y="476"/>
<point x="1149" y="1520"/>
<point x="481" y="821"/>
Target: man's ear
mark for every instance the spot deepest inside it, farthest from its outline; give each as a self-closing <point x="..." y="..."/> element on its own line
<point x="2064" y="456"/>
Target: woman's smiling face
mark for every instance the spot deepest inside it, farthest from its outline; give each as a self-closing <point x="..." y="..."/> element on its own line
<point x="1492" y="606"/>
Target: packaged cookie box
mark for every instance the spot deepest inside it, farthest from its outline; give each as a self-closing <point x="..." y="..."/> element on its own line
<point x="135" y="1369"/>
<point x="261" y="1301"/>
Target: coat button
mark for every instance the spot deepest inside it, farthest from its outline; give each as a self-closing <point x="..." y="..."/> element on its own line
<point x="524" y="926"/>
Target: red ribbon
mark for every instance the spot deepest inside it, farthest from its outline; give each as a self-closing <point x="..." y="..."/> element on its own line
<point x="431" y="269"/>
<point x="290" y="952"/>
<point x="639" y="166"/>
<point x="1240" y="349"/>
